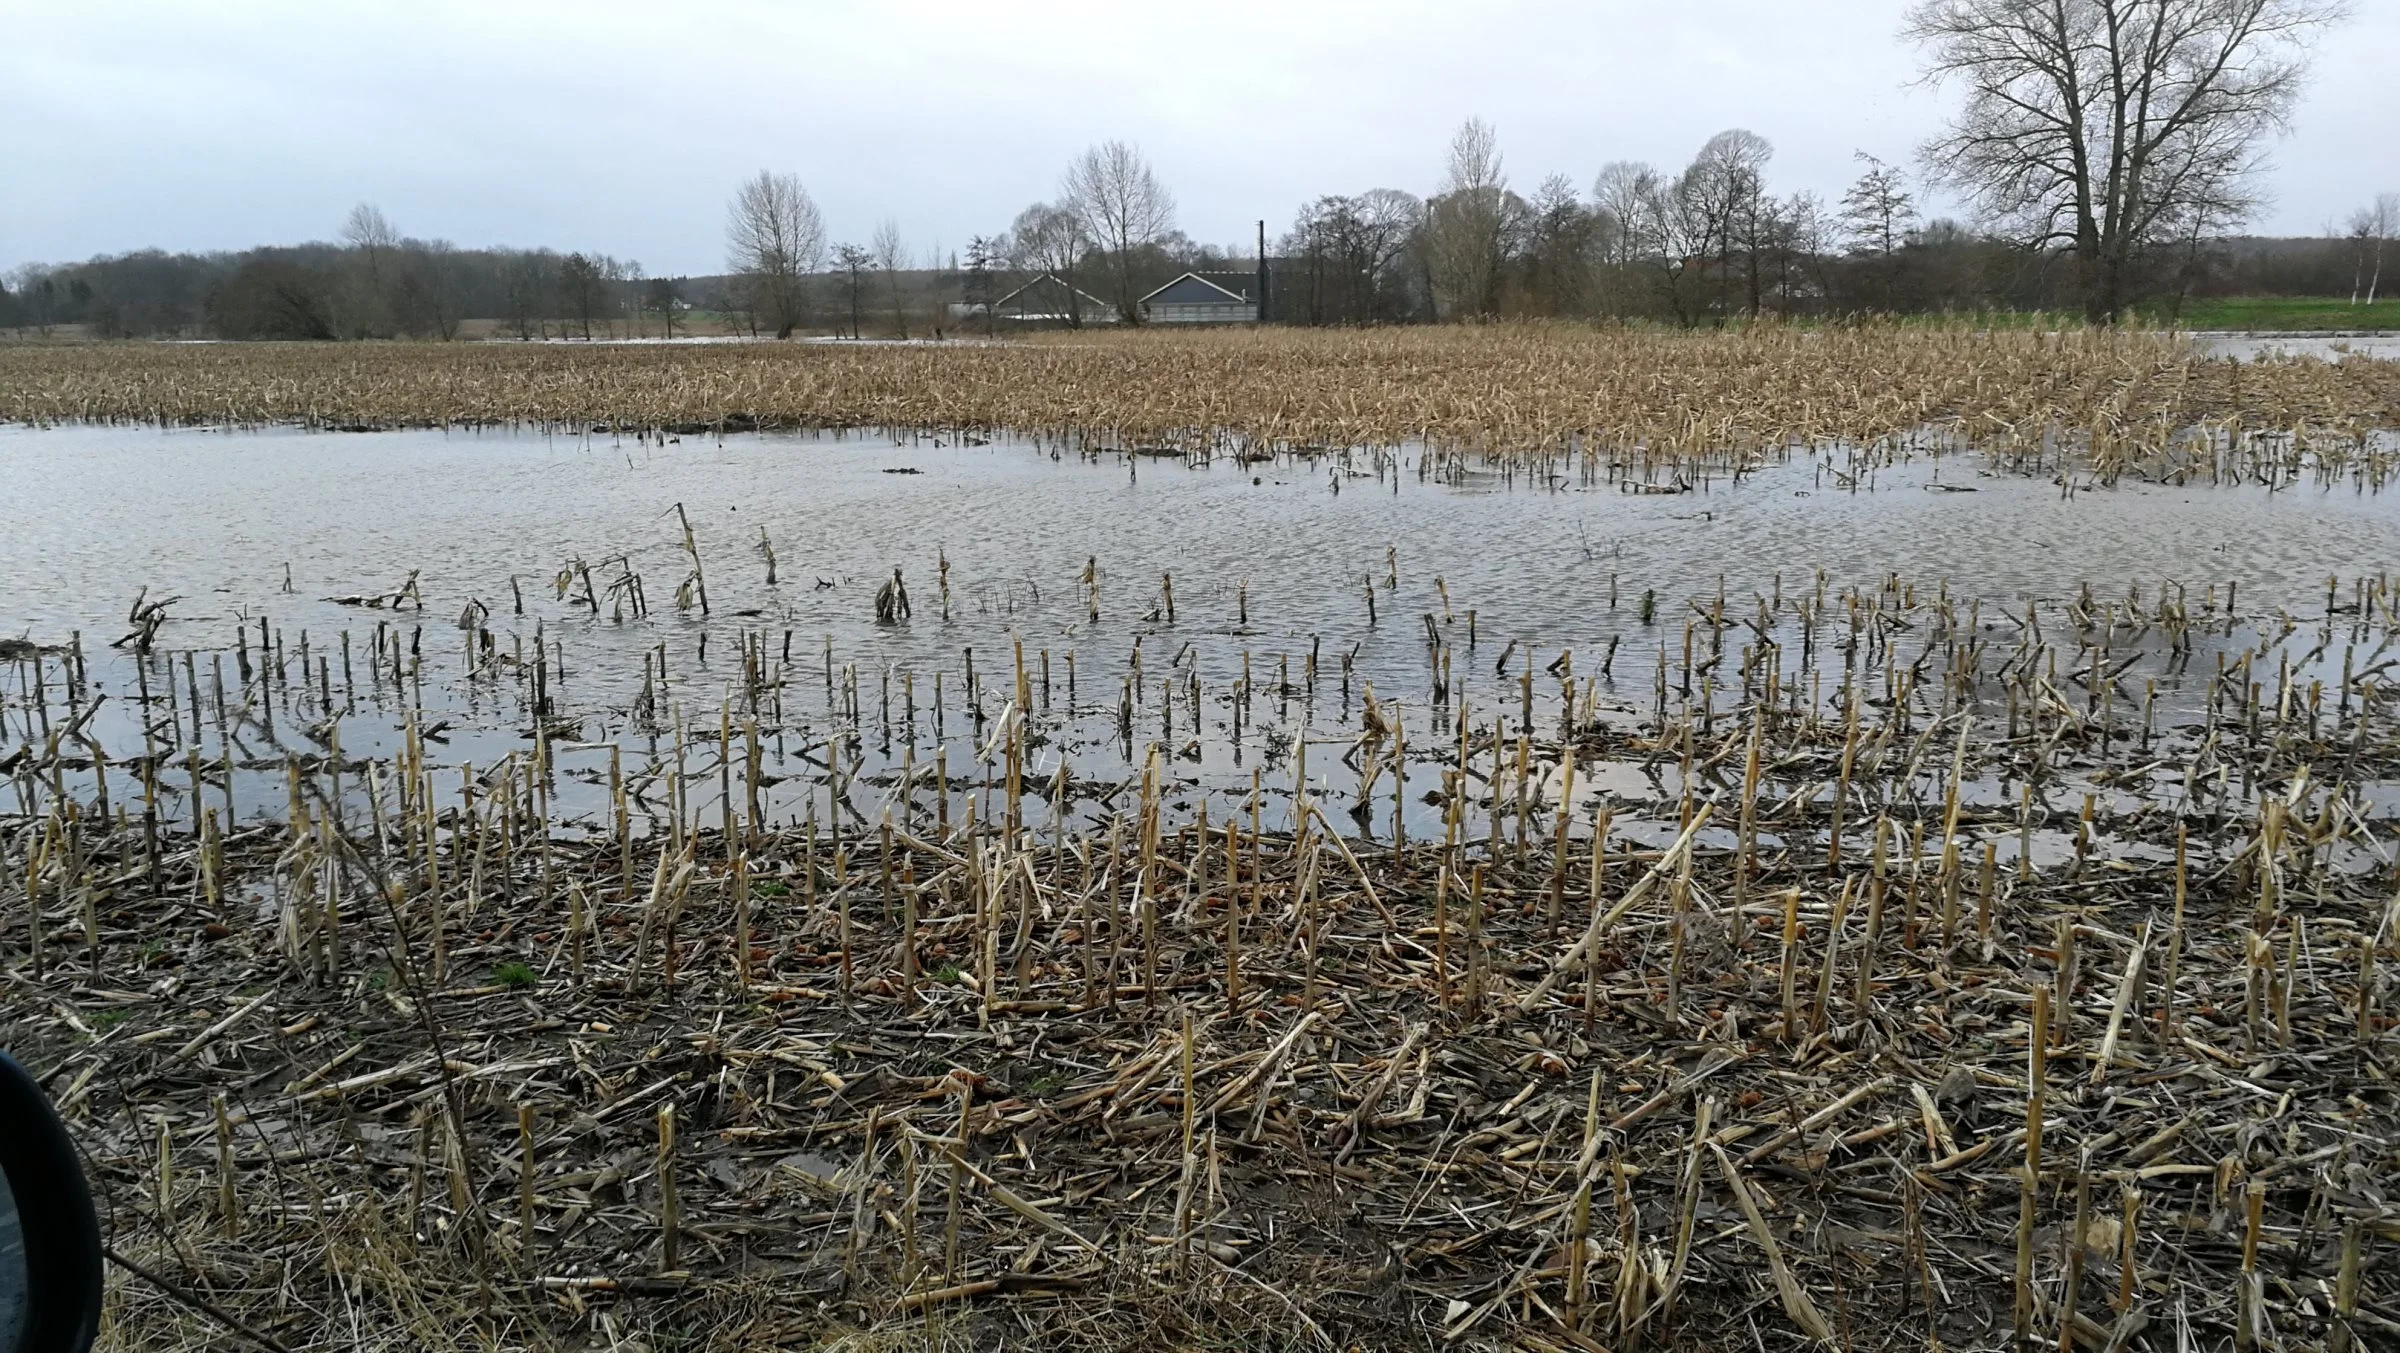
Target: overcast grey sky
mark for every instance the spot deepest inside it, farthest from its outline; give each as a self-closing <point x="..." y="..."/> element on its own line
<point x="623" y="127"/>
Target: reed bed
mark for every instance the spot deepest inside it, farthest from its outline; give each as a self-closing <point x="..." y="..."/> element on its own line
<point x="1907" y="979"/>
<point x="2129" y="399"/>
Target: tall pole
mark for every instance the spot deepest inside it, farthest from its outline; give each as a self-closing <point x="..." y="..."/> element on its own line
<point x="1262" y="272"/>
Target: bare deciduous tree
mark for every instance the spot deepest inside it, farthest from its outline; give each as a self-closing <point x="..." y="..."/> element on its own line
<point x="2370" y="227"/>
<point x="2108" y="126"/>
<point x="775" y="237"/>
<point x="1878" y="216"/>
<point x="1617" y="195"/>
<point x="983" y="252"/>
<point x="580" y="288"/>
<point x="1726" y="185"/>
<point x="1798" y="243"/>
<point x="1123" y="207"/>
<point x="1051" y="239"/>
<point x="1467" y="225"/>
<point x="531" y="281"/>
<point x="1671" y="231"/>
<point x="35" y="293"/>
<point x="891" y="258"/>
<point x="662" y="298"/>
<point x="852" y="262"/>
<point x="1560" y="242"/>
<point x="1618" y="203"/>
<point x="425" y="290"/>
<point x="370" y="232"/>
<point x="1348" y="252"/>
<point x="1878" y="211"/>
<point x="367" y="307"/>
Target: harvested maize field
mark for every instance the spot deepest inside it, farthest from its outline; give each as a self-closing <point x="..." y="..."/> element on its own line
<point x="1447" y="839"/>
<point x="2126" y="397"/>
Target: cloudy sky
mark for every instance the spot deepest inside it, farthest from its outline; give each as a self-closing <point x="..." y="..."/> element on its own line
<point x="623" y="127"/>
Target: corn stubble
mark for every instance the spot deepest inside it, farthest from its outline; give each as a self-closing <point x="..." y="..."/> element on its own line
<point x="1940" y="990"/>
<point x="2127" y="399"/>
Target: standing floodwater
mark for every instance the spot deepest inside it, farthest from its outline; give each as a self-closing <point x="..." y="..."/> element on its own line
<point x="927" y="869"/>
<point x="1219" y="609"/>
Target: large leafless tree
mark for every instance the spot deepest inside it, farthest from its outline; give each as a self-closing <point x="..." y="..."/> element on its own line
<point x="366" y="300"/>
<point x="424" y="290"/>
<point x="2371" y="227"/>
<point x="1618" y="203"/>
<point x="1561" y="245"/>
<point x="582" y="287"/>
<point x="1726" y="186"/>
<point x="1051" y="240"/>
<point x="1467" y="225"/>
<point x="852" y="262"/>
<point x="2110" y="127"/>
<point x="1123" y="207"/>
<point x="891" y="259"/>
<point x="1347" y="257"/>
<point x="1878" y="210"/>
<point x="1669" y="230"/>
<point x="370" y="232"/>
<point x="774" y="237"/>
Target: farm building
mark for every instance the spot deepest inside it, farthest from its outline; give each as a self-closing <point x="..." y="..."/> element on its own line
<point x="1205" y="298"/>
<point x="1050" y="299"/>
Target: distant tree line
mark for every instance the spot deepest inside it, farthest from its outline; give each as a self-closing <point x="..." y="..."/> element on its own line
<point x="1710" y="242"/>
<point x="371" y="282"/>
<point x="2108" y="149"/>
<point x="1704" y="244"/>
<point x="1383" y="256"/>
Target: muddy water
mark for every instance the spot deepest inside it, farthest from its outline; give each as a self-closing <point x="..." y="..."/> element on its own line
<point x="98" y="514"/>
<point x="1273" y="561"/>
<point x="2252" y="347"/>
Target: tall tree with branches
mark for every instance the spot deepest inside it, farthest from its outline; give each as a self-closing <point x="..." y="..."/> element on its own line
<point x="372" y="242"/>
<point x="853" y="262"/>
<point x="983" y="253"/>
<point x="1051" y="240"/>
<point x="2371" y="226"/>
<point x="662" y="296"/>
<point x="1671" y="230"/>
<point x="1124" y="208"/>
<point x="774" y="238"/>
<point x="1468" y="224"/>
<point x="1348" y="253"/>
<point x="2108" y="126"/>
<point x="580" y="287"/>
<point x="891" y="259"/>
<point x="1878" y="212"/>
<point x="1726" y="185"/>
<point x="1878" y="216"/>
<point x="1560" y="235"/>
<point x="1620" y="203"/>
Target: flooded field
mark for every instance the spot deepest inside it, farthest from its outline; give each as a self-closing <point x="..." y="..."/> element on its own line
<point x="416" y="576"/>
<point x="680" y="888"/>
<point x="2322" y="347"/>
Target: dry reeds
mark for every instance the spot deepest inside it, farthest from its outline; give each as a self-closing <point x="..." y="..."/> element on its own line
<point x="754" y="1010"/>
<point x="422" y="1049"/>
<point x="2126" y="398"/>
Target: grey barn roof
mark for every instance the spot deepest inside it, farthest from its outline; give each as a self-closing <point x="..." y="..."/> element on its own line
<point x="1207" y="288"/>
<point x="1048" y="294"/>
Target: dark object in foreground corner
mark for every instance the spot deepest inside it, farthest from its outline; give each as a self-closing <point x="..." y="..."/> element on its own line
<point x="49" y="1235"/>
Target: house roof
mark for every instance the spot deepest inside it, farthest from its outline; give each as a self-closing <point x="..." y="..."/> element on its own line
<point x="1209" y="288"/>
<point x="1052" y="292"/>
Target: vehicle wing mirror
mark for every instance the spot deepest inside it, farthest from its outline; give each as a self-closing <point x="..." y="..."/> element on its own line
<point x="49" y="1234"/>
